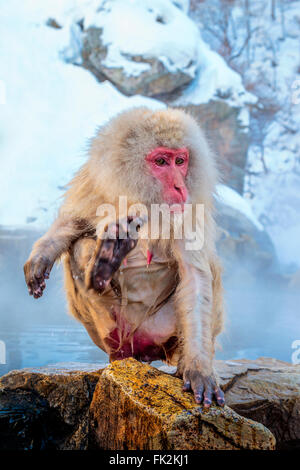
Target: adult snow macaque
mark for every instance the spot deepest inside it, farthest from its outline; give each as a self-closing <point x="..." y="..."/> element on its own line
<point x="165" y="301"/>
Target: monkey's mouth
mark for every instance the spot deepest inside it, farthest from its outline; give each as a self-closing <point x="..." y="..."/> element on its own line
<point x="174" y="200"/>
<point x="177" y="208"/>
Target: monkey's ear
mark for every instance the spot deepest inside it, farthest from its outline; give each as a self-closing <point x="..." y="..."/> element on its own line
<point x="131" y="137"/>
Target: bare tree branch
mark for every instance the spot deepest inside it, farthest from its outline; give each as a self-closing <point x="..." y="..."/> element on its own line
<point x="235" y="56"/>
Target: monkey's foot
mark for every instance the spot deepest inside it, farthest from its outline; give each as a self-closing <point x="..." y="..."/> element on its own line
<point x="119" y="240"/>
<point x="205" y="388"/>
<point x="36" y="270"/>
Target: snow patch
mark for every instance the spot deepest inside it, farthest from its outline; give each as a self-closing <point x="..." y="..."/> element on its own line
<point x="230" y="197"/>
<point x="215" y="80"/>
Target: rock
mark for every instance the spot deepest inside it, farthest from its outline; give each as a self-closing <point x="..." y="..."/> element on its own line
<point x="268" y="391"/>
<point x="135" y="406"/>
<point x="149" y="76"/>
<point x="242" y="244"/>
<point x="138" y="407"/>
<point x="228" y="137"/>
<point x="53" y="23"/>
<point x="184" y="5"/>
<point x="46" y="408"/>
<point x="93" y="52"/>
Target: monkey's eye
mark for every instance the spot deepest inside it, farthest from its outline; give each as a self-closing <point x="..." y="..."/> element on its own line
<point x="160" y="161"/>
<point x="179" y="161"/>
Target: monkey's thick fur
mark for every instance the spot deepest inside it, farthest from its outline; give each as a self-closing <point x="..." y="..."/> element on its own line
<point x="177" y="300"/>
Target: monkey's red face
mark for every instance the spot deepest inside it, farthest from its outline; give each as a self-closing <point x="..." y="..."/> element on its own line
<point x="170" y="167"/>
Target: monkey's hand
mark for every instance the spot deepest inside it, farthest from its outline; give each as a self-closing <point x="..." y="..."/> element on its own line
<point x="36" y="270"/>
<point x="119" y="240"/>
<point x="204" y="386"/>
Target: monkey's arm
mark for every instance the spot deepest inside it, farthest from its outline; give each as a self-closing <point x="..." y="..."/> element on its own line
<point x="194" y="305"/>
<point x="49" y="248"/>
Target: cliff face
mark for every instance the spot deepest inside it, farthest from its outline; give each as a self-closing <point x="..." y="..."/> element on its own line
<point x="129" y="405"/>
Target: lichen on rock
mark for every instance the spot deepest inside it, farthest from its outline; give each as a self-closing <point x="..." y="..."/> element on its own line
<point x="138" y="407"/>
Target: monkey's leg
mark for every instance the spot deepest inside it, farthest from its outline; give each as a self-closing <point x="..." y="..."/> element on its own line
<point x="110" y="252"/>
<point x="48" y="249"/>
<point x="194" y="306"/>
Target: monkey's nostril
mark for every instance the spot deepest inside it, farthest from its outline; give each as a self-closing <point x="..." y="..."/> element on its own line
<point x="181" y="190"/>
<point x="178" y="189"/>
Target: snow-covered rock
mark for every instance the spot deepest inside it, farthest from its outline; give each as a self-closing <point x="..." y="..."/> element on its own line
<point x="243" y="244"/>
<point x="215" y="79"/>
<point x="230" y="197"/>
<point x="148" y="47"/>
